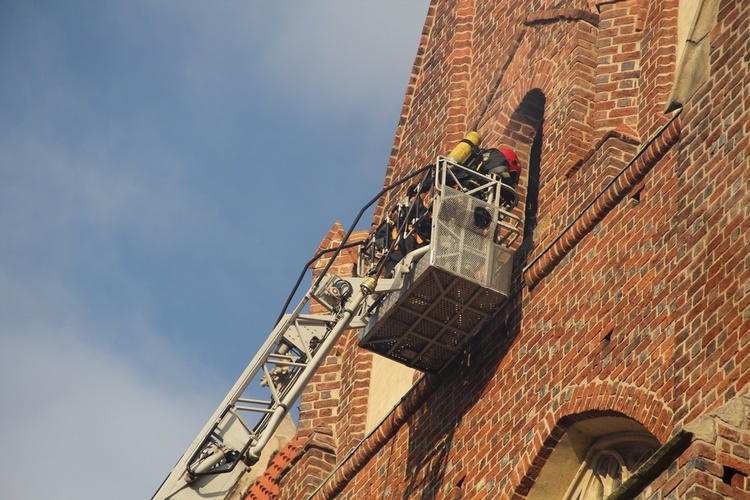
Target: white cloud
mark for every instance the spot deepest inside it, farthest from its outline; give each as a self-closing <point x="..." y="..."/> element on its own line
<point x="93" y="403"/>
<point x="327" y="59"/>
<point x="111" y="193"/>
<point x="78" y="421"/>
<point x="343" y="51"/>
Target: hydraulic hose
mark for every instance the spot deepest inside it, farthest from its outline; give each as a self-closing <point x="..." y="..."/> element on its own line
<point x="343" y="244"/>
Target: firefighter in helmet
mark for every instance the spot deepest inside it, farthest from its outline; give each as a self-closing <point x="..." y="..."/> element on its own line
<point x="501" y="162"/>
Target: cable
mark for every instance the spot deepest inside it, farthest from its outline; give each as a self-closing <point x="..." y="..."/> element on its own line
<point x="343" y="244"/>
<point x="401" y="233"/>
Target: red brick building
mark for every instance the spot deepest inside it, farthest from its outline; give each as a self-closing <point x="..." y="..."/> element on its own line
<point x="621" y="364"/>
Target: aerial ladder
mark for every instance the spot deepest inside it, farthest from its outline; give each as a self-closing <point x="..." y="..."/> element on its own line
<point x="421" y="314"/>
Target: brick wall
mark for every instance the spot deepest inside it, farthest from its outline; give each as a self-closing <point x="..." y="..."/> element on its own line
<point x="716" y="464"/>
<point x="333" y="407"/>
<point x="636" y="270"/>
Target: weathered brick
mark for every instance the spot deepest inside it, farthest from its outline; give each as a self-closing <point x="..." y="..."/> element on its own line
<point x="659" y="262"/>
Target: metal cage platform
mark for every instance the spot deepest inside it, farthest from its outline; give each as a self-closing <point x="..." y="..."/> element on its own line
<point x="460" y="282"/>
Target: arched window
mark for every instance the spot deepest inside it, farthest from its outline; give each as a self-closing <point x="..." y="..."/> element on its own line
<point x="593" y="458"/>
<point x="610" y="461"/>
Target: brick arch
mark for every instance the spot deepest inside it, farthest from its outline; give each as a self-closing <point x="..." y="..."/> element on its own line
<point x="521" y="124"/>
<point x="634" y="402"/>
<point x="518" y="131"/>
<point x="516" y="124"/>
<point x="528" y="66"/>
<point x="587" y="401"/>
<point x="566" y="76"/>
<point x="507" y="97"/>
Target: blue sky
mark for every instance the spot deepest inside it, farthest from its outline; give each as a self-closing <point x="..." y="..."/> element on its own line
<point x="166" y="169"/>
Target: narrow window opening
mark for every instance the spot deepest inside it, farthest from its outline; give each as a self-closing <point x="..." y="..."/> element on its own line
<point x="637" y="193"/>
<point x="734" y="478"/>
<point x="457" y="491"/>
<point x="635" y="198"/>
<point x="532" y="193"/>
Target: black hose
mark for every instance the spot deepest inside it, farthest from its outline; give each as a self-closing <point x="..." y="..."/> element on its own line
<point x="343" y="244"/>
<point x="404" y="222"/>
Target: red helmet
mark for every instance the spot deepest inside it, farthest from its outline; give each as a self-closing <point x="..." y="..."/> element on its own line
<point x="513" y="164"/>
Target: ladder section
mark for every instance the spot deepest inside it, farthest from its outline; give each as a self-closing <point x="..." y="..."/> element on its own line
<point x="444" y="252"/>
<point x="241" y="426"/>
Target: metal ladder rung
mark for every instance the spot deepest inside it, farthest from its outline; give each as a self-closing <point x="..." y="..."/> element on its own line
<point x="288" y="363"/>
<point x="254" y="401"/>
<point x="257" y="410"/>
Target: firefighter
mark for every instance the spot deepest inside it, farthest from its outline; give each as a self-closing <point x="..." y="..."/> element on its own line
<point x="501" y="162"/>
<point x="507" y="167"/>
<point x="409" y="226"/>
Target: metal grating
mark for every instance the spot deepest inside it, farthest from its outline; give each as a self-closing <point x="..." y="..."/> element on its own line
<point x="452" y="290"/>
<point x="427" y="328"/>
<point x="467" y="320"/>
<point x="463" y="292"/>
<point x="435" y="356"/>
<point x="393" y="329"/>
<point x="452" y="338"/>
<point x="488" y="301"/>
<point x="430" y="321"/>
<point x="404" y="316"/>
<point x="444" y="311"/>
